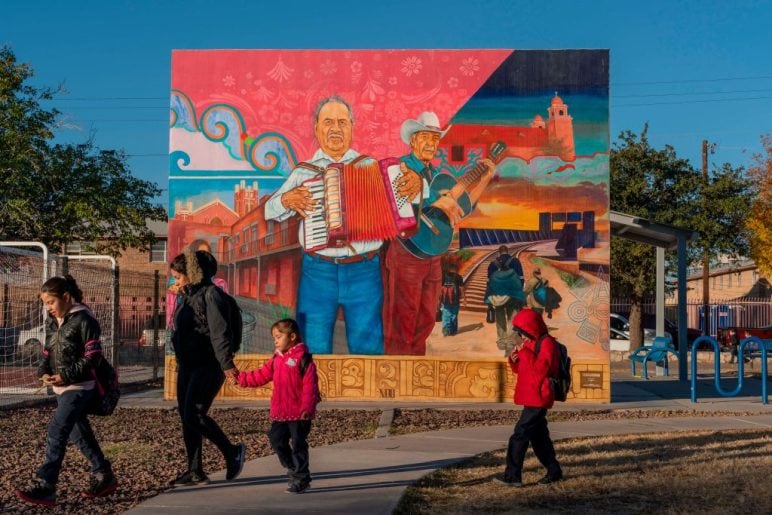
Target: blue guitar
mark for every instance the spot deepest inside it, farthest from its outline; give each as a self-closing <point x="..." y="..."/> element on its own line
<point x="435" y="231"/>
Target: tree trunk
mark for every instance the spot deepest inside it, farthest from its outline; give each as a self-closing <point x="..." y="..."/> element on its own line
<point x="636" y="327"/>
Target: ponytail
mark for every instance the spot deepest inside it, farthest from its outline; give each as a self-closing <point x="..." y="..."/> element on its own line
<point x="58" y="286"/>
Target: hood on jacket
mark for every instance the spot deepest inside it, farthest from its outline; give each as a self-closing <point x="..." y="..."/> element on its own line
<point x="200" y="265"/>
<point x="530" y="323"/>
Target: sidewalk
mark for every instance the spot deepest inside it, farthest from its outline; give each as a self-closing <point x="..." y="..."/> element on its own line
<point x="370" y="476"/>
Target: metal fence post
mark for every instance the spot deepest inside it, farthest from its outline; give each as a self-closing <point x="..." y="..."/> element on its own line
<point x="116" y="314"/>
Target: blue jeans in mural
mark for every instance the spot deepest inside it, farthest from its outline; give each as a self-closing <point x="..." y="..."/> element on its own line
<point x="357" y="287"/>
<point x="449" y="319"/>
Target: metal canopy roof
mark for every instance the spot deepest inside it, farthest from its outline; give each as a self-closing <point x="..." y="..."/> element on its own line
<point x="665" y="237"/>
<point x="644" y="231"/>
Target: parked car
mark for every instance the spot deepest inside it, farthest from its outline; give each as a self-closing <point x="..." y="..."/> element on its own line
<point x="30" y="342"/>
<point x="147" y="333"/>
<point x="621" y="323"/>
<point x="17" y="343"/>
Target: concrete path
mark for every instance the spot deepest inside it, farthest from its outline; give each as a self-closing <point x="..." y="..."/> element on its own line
<point x="370" y="476"/>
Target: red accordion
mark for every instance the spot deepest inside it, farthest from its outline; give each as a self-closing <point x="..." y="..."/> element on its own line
<point x="357" y="201"/>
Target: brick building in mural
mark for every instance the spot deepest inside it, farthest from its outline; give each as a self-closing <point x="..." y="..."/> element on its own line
<point x="258" y="259"/>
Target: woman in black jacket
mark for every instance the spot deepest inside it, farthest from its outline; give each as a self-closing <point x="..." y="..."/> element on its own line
<point x="202" y="341"/>
<point x="70" y="356"/>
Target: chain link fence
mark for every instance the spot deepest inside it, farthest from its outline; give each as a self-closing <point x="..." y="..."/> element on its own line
<point x="124" y="303"/>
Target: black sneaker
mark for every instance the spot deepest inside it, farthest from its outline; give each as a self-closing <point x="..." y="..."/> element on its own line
<point x="546" y="480"/>
<point x="42" y="493"/>
<point x="297" y="488"/>
<point x="101" y="484"/>
<point x="236" y="463"/>
<point x="515" y="483"/>
<point x="191" y="478"/>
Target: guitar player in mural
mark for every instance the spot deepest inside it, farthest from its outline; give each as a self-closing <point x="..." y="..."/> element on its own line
<point x="348" y="275"/>
<point x="412" y="272"/>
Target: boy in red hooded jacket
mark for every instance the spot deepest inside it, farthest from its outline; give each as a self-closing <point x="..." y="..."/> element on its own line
<point x="293" y="402"/>
<point x="534" y="393"/>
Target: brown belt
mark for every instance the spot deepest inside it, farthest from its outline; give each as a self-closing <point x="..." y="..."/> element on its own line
<point x="344" y="260"/>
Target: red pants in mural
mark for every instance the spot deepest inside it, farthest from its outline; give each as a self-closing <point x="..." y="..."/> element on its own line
<point x="411" y="291"/>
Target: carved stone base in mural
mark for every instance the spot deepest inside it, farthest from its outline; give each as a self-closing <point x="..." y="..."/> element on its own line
<point x="406" y="378"/>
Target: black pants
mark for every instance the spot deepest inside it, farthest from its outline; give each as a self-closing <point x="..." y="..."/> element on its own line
<point x="531" y="428"/>
<point x="196" y="389"/>
<point x="289" y="442"/>
<point x="71" y="423"/>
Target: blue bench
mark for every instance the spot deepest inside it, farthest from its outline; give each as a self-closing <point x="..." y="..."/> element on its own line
<point x="656" y="352"/>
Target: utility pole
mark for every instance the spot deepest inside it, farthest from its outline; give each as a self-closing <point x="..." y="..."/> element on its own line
<point x="705" y="256"/>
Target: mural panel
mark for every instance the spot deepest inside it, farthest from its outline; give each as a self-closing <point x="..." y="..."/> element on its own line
<point x="399" y="203"/>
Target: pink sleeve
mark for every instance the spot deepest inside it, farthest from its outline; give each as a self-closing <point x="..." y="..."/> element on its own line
<point x="257" y="377"/>
<point x="220" y="283"/>
<point x="171" y="303"/>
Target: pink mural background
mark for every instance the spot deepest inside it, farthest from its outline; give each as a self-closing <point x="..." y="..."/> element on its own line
<point x="277" y="91"/>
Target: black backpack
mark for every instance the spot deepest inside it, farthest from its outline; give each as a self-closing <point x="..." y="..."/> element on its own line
<point x="108" y="390"/>
<point x="561" y="384"/>
<point x="235" y="320"/>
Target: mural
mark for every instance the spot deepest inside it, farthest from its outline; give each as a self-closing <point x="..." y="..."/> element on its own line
<point x="399" y="202"/>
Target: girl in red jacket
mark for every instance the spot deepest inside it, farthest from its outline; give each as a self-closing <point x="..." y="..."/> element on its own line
<point x="293" y="402"/>
<point x="533" y="366"/>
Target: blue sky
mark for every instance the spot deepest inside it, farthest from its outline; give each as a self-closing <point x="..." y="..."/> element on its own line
<point x="693" y="70"/>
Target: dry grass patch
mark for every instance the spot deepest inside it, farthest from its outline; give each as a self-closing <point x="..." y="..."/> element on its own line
<point x="417" y="420"/>
<point x="696" y="472"/>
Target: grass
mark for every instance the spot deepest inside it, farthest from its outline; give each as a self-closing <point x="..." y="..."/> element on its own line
<point x="408" y="421"/>
<point x="694" y="472"/>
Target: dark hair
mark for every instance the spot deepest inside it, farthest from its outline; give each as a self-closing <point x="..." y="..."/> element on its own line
<point x="58" y="286"/>
<point x="178" y="264"/>
<point x="287" y="326"/>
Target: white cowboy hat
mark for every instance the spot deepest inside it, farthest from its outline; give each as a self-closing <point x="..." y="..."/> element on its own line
<point x="426" y="121"/>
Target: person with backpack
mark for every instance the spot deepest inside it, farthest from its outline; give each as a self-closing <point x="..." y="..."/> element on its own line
<point x="204" y="342"/>
<point x="532" y="284"/>
<point x="172" y="287"/>
<point x="293" y="401"/>
<point x="504" y="291"/>
<point x="451" y="295"/>
<point x="535" y="362"/>
<point x="71" y="355"/>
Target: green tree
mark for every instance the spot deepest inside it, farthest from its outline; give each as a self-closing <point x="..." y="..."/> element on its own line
<point x="658" y="185"/>
<point x="55" y="193"/>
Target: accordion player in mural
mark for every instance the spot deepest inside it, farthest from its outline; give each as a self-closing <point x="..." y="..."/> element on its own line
<point x="345" y="203"/>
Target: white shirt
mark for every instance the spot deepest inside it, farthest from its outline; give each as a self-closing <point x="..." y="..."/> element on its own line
<point x="274" y="210"/>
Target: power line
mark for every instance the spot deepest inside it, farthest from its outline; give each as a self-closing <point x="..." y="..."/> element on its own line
<point x="685" y="81"/>
<point x="693" y="101"/>
<point x="693" y="93"/>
